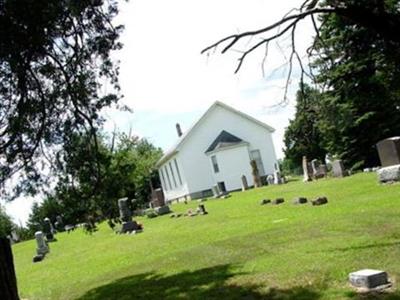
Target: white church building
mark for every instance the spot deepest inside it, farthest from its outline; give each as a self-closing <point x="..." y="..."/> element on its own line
<point x="216" y="150"/>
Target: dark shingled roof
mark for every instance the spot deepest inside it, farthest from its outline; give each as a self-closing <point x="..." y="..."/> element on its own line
<point x="224" y="139"/>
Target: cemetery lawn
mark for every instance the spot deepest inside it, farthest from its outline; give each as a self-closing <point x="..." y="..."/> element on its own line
<point x="241" y="250"/>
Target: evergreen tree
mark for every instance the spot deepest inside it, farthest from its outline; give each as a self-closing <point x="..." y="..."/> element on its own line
<point x="303" y="136"/>
<point x="359" y="69"/>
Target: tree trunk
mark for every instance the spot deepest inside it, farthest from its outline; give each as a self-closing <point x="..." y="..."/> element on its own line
<point x="8" y="281"/>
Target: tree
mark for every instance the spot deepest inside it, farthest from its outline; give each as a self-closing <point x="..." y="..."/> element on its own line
<point x="303" y="136"/>
<point x="54" y="57"/>
<point x="49" y="208"/>
<point x="382" y="17"/>
<point x="359" y="70"/>
<point x="7" y="290"/>
<point x="126" y="170"/>
<point x="6" y="224"/>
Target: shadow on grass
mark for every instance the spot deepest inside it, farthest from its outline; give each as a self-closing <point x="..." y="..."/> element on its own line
<point x="209" y="283"/>
<point x="374" y="295"/>
<point x="369" y="246"/>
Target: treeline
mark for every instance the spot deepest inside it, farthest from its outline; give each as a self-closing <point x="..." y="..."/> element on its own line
<point x="352" y="102"/>
<point x="89" y="188"/>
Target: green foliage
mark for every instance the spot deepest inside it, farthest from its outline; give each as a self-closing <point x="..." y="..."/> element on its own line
<point x="49" y="208"/>
<point x="6" y="224"/>
<point x="150" y="213"/>
<point x="359" y="68"/>
<point x="54" y="58"/>
<point x="122" y="169"/>
<point x="303" y="136"/>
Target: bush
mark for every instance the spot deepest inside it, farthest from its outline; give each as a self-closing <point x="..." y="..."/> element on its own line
<point x="150" y="213"/>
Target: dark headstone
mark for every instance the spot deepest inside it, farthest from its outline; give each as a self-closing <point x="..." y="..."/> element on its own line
<point x="202" y="210"/>
<point x="126" y="216"/>
<point x="245" y="186"/>
<point x="157" y="198"/>
<point x="42" y="247"/>
<point x="299" y="200"/>
<point x="38" y="258"/>
<point x="278" y="201"/>
<point x="319" y="201"/>
<point x="389" y="151"/>
<point x="48" y="230"/>
<point x="265" y="201"/>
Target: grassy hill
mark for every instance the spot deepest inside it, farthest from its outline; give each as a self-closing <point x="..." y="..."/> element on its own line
<point x="241" y="250"/>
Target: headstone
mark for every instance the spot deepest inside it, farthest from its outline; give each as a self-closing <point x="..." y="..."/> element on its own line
<point x="389" y="154"/>
<point x="318" y="170"/>
<point x="126" y="216"/>
<point x="338" y="168"/>
<point x="389" y="174"/>
<point x="162" y="210"/>
<point x="59" y="224"/>
<point x="244" y="183"/>
<point x="215" y="190"/>
<point x="270" y="179"/>
<point x="306" y="172"/>
<point x="368" y="278"/>
<point x="202" y="209"/>
<point x="299" y="200"/>
<point x="319" y="201"/>
<point x="278" y="201"/>
<point x="265" y="201"/>
<point x="389" y="151"/>
<point x="48" y="230"/>
<point x="255" y="173"/>
<point x="158" y="198"/>
<point x="42" y="247"/>
<point x="68" y="228"/>
<point x="277" y="177"/>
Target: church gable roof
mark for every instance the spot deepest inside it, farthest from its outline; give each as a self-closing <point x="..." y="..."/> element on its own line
<point x="224" y="139"/>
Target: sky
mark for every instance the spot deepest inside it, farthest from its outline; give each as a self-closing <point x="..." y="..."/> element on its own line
<point x="165" y="80"/>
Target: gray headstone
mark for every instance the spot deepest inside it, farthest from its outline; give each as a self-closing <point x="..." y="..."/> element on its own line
<point x="124" y="212"/>
<point x="245" y="186"/>
<point x="368" y="278"/>
<point x="389" y="151"/>
<point x="270" y="179"/>
<point x="389" y="174"/>
<point x="162" y="210"/>
<point x="338" y="168"/>
<point x="306" y="173"/>
<point x="318" y="170"/>
<point x="216" y="191"/>
<point x="277" y="177"/>
<point x="42" y="247"/>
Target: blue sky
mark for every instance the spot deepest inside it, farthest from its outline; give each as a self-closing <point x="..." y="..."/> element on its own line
<point x="166" y="80"/>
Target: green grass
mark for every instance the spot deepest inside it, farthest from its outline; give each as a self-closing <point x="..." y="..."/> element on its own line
<point x="241" y="250"/>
